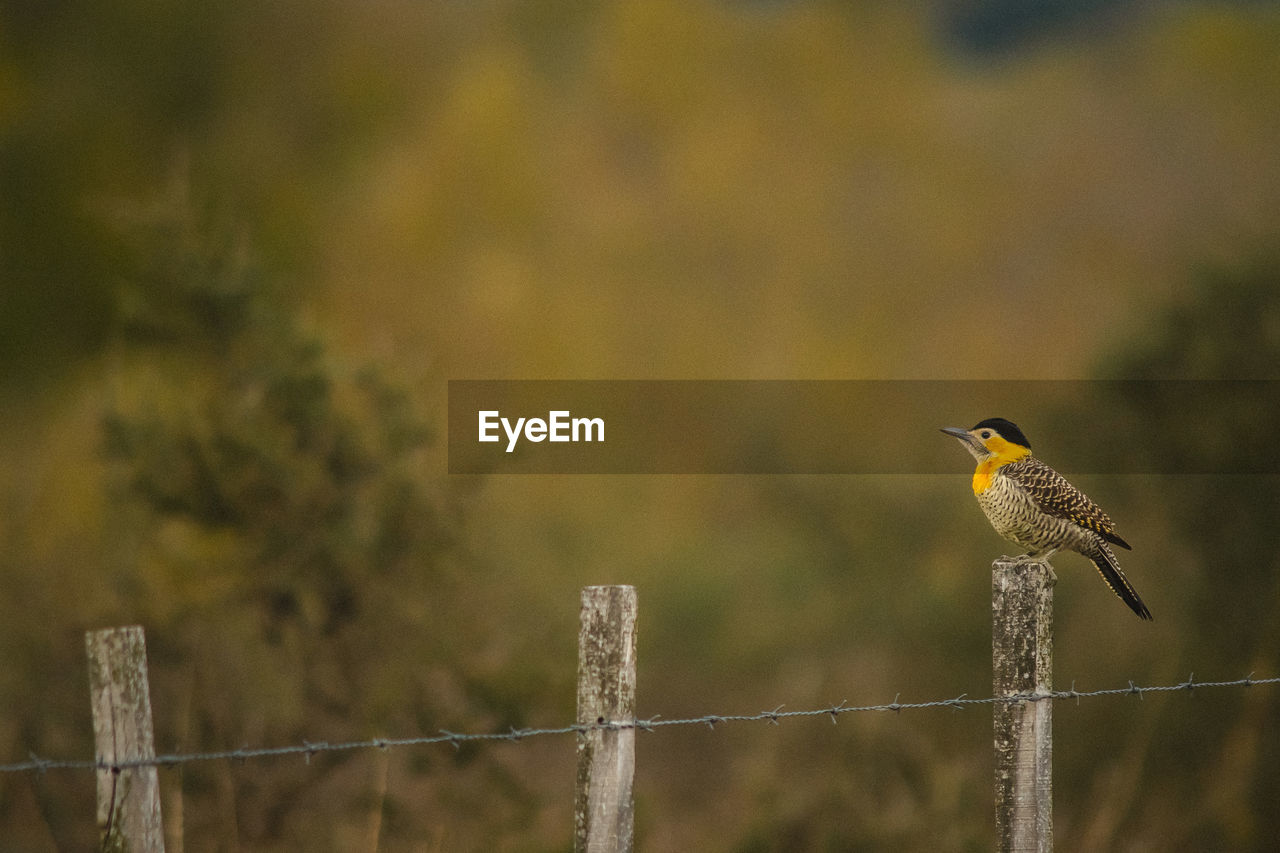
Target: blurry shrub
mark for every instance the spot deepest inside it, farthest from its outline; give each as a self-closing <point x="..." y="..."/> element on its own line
<point x="1225" y="594"/>
<point x="280" y="536"/>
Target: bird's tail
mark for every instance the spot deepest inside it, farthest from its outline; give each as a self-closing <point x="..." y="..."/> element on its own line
<point x="1110" y="571"/>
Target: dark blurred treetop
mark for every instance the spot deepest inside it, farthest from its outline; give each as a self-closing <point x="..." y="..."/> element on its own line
<point x="100" y="104"/>
<point x="1000" y="26"/>
<point x="1229" y="328"/>
<point x="995" y="27"/>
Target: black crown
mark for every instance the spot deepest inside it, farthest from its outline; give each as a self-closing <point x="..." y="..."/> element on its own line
<point x="1008" y="430"/>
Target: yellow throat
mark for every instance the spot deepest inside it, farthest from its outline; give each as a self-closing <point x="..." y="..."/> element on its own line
<point x="1004" y="453"/>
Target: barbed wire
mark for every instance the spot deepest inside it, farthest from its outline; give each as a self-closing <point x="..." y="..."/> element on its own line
<point x="307" y="749"/>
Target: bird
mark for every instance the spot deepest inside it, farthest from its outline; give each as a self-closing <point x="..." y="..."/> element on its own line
<point x="1034" y="506"/>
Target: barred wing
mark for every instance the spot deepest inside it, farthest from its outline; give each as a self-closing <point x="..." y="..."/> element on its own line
<point x="1055" y="496"/>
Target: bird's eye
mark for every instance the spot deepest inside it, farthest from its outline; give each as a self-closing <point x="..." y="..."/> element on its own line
<point x="986" y="433"/>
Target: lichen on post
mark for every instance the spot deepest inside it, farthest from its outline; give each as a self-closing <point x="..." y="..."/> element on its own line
<point x="1022" y="664"/>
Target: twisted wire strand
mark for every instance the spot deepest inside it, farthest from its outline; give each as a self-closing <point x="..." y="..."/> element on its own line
<point x="308" y="749"/>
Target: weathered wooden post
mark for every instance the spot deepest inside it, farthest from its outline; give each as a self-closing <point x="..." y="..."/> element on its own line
<point x="603" y="807"/>
<point x="128" y="797"/>
<point x="1022" y="663"/>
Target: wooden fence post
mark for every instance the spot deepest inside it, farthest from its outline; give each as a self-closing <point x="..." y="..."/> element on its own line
<point x="128" y="798"/>
<point x="603" y="808"/>
<point x="1022" y="662"/>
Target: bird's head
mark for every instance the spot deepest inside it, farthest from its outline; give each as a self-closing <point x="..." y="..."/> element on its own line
<point x="994" y="438"/>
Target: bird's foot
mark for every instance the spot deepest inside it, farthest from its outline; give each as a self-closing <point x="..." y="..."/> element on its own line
<point x="1040" y="557"/>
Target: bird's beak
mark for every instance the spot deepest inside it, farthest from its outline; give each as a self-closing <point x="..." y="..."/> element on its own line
<point x="962" y="434"/>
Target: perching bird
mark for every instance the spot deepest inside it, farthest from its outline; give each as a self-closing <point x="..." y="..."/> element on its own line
<point x="1029" y="503"/>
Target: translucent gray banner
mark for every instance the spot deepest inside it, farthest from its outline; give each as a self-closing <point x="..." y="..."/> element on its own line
<point x="856" y="426"/>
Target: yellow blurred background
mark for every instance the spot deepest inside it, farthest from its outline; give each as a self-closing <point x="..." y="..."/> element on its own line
<point x="244" y="246"/>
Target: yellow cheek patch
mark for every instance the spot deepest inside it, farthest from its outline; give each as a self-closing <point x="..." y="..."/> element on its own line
<point x="1005" y="450"/>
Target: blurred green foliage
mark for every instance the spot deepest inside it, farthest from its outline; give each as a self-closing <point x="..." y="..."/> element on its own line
<point x="1225" y="531"/>
<point x="243" y="432"/>
<point x="267" y="499"/>
<point x="269" y="523"/>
